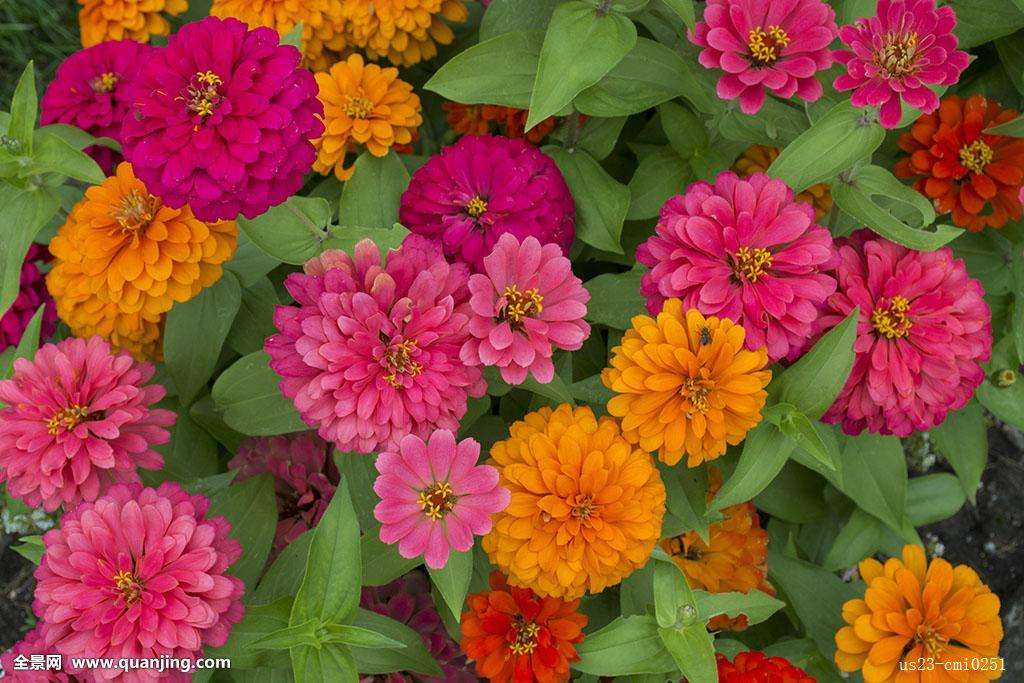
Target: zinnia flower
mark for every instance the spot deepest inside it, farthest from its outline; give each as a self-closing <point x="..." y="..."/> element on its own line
<point x="304" y="478"/>
<point x="755" y="666"/>
<point x="962" y="169"/>
<point x="895" y="55"/>
<point x="483" y="186"/>
<point x="914" y="609"/>
<point x="477" y="119"/>
<point x="90" y="91"/>
<point x="434" y="498"/>
<point x="586" y="506"/>
<point x="32" y="644"/>
<point x="323" y="26"/>
<point x="370" y="353"/>
<point x="405" y="31"/>
<point x="364" y="105"/>
<point x="222" y="120"/>
<point x="138" y="20"/>
<point x="744" y="250"/>
<point x="525" y="304"/>
<point x="139" y="573"/>
<point x="31" y="295"/>
<point x="77" y="420"/>
<point x="923" y="330"/>
<point x="763" y="46"/>
<point x="684" y="384"/>
<point x="515" y="635"/>
<point x="757" y="159"/>
<point x="131" y="332"/>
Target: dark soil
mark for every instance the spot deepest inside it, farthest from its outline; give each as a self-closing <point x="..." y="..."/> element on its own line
<point x="16" y="586"/>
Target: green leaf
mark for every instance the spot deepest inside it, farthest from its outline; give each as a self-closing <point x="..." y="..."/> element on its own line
<point x="674" y="603"/>
<point x="290" y="232"/>
<point x="453" y="579"/>
<point x="412" y="656"/>
<point x="484" y="74"/>
<point x="251" y="508"/>
<point x="756" y="605"/>
<point x="626" y="647"/>
<point x="659" y="176"/>
<point x="24" y="108"/>
<point x="647" y="76"/>
<point x="601" y="201"/>
<point x="248" y="395"/>
<point x="861" y="536"/>
<point x="345" y="238"/>
<point x="381" y="562"/>
<point x="289" y="637"/>
<point x="358" y="636"/>
<point x="23" y="213"/>
<point x="615" y="298"/>
<point x="1006" y="403"/>
<point x="801" y="430"/>
<point x="331" y="662"/>
<point x="31" y="548"/>
<point x="283" y="578"/>
<point x="293" y="37"/>
<point x="962" y="439"/>
<point x="875" y="476"/>
<point x="255" y="319"/>
<point x="27" y="345"/>
<point x="683" y="9"/>
<point x="371" y="196"/>
<point x="684" y="130"/>
<point x="190" y="454"/>
<point x="504" y="16"/>
<point x="765" y="451"/>
<point x="979" y="21"/>
<point x="1013" y="128"/>
<point x="933" y="497"/>
<point x="693" y="650"/>
<point x="258" y="622"/>
<point x="57" y="155"/>
<point x="250" y="263"/>
<point x="795" y="495"/>
<point x="813" y="382"/>
<point x="598" y="135"/>
<point x="686" y="497"/>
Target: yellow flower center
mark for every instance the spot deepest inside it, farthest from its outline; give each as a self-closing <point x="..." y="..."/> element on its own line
<point x="437" y="500"/>
<point x="892" y="321"/>
<point x="696" y="391"/>
<point x="750" y="264"/>
<point x="765" y="45"/>
<point x="975" y="156"/>
<point x="519" y="305"/>
<point x="476" y="206"/>
<point x="67" y="418"/>
<point x="898" y="55"/>
<point x="105" y="82"/>
<point x="583" y="507"/>
<point x="204" y="93"/>
<point x="525" y="636"/>
<point x="130" y="587"/>
<point x="135" y="210"/>
<point x="358" y="107"/>
<point x="932" y="642"/>
<point x="399" y="362"/>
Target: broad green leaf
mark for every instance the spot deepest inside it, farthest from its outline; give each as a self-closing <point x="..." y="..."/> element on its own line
<point x="659" y="176"/>
<point x="683" y="9"/>
<point x="31" y="548"/>
<point x="289" y="637"/>
<point x="1011" y="54"/>
<point x="250" y="263"/>
<point x="412" y="656"/>
<point x="1005" y="402"/>
<point x="255" y="319"/>
<point x="251" y="508"/>
<point x="647" y="76"/>
<point x="370" y="197"/>
<point x="484" y="74"/>
<point x="601" y="201"/>
<point x="359" y="636"/>
<point x="504" y="16"/>
<point x="684" y="130"/>
<point x="258" y="622"/>
<point x="598" y="136"/>
<point x="875" y="476"/>
<point x="615" y="298"/>
<point x="381" y="562"/>
<point x="248" y="395"/>
<point x="24" y="109"/>
<point x="345" y="237"/>
<point x="686" y="498"/>
<point x="756" y="605"/>
<point x="861" y="536"/>
<point x="56" y="155"/>
<point x="693" y="650"/>
<point x="23" y="213"/>
<point x="452" y="580"/>
<point x="190" y="454"/>
<point x="360" y="472"/>
<point x="291" y="232"/>
<point x="933" y="497"/>
<point x="330" y="662"/>
<point x="1013" y="128"/>
<point x="283" y="578"/>
<point x="674" y="603"/>
<point x="813" y="382"/>
<point x="962" y="439"/>
<point x="801" y="430"/>
<point x="795" y="495"/>
<point x="979" y="21"/>
<point x="625" y="647"/>
<point x="765" y="451"/>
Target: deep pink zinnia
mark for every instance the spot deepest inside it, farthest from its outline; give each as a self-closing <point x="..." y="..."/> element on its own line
<point x="483" y="186"/>
<point x="91" y="90"/>
<point x="78" y="418"/>
<point x="304" y="478"/>
<point x="923" y="330"/>
<point x="222" y="120"/>
<point x="139" y="573"/>
<point x="32" y="293"/>
<point x="434" y="498"/>
<point x="777" y="46"/>
<point x="896" y="54"/>
<point x="526" y="303"/>
<point x="32" y="644"/>
<point x="742" y="249"/>
<point x="370" y="351"/>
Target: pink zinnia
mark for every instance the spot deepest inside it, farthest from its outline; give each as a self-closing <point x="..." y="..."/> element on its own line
<point x="482" y="186"/>
<point x="78" y="418"/>
<point x="777" y="46"/>
<point x="304" y="478"/>
<point x="896" y="54"/>
<point x="222" y="120"/>
<point x="32" y="644"/>
<point x="525" y="304"/>
<point x="138" y="573"/>
<point x="31" y="295"/>
<point x="923" y="330"/>
<point x="434" y="497"/>
<point x="744" y="250"/>
<point x="370" y="351"/>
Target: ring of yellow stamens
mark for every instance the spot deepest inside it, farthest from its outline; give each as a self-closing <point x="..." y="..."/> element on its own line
<point x="399" y="362"/>
<point x="526" y="633"/>
<point x="765" y="46"/>
<point x="358" y="107"/>
<point x="437" y="500"/>
<point x="204" y="93"/>
<point x="892" y="321"/>
<point x="749" y="264"/>
<point x="696" y="391"/>
<point x="519" y="305"/>
<point x="476" y="206"/>
<point x="898" y="55"/>
<point x="975" y="156"/>
<point x="105" y="82"/>
<point x="67" y="418"/>
<point x="129" y="586"/>
<point x="583" y="507"/>
<point x="135" y="210"/>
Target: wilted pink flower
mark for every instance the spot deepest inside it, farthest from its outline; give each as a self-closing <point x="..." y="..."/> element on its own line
<point x="896" y="54"/>
<point x="370" y="351"/>
<point x="407" y="600"/>
<point x="483" y="186"/>
<point x="32" y="293"/>
<point x="923" y="330"/>
<point x="525" y="304"/>
<point x="304" y="478"/>
<point x="434" y="497"/>
<point x="222" y="120"/>
<point x="138" y="573"/>
<point x="78" y="419"/>
<point x="742" y="249"/>
<point x="32" y="644"/>
<point x="777" y="46"/>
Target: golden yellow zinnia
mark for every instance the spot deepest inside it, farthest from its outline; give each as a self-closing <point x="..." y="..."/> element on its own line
<point x="758" y="158"/>
<point x="323" y="26"/>
<point x="404" y="31"/>
<point x="918" y="611"/>
<point x="586" y="506"/>
<point x="363" y="105"/>
<point x="101" y="20"/>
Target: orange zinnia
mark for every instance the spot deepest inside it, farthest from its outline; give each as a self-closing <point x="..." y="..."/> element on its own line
<point x="405" y="31"/>
<point x="363" y="105"/>
<point x="100" y="20"/>
<point x="758" y="158"/>
<point x="916" y="610"/>
<point x="974" y="175"/>
<point x="586" y="506"/>
<point x="476" y="119"/>
<point x="323" y="26"/>
<point x="684" y="384"/>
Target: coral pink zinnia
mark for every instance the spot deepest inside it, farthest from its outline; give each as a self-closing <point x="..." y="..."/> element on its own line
<point x="32" y="644"/>
<point x="745" y="250"/>
<point x="526" y="303"/>
<point x="777" y="46"/>
<point x="483" y="186"/>
<point x="895" y="55"/>
<point x="434" y="498"/>
<point x="138" y="573"/>
<point x="32" y="294"/>
<point x="222" y="119"/>
<point x="923" y="330"/>
<point x="370" y="351"/>
<point x="78" y="418"/>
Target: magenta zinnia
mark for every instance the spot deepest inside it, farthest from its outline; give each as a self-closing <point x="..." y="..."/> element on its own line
<point x="524" y="305"/>
<point x="482" y="186"/>
<point x="923" y="330"/>
<point x="745" y="250"/>
<point x="895" y="55"/>
<point x="222" y="119"/>
<point x="78" y="419"/>
<point x="32" y="294"/>
<point x="370" y="351"/>
<point x="761" y="46"/>
<point x="138" y="573"/>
